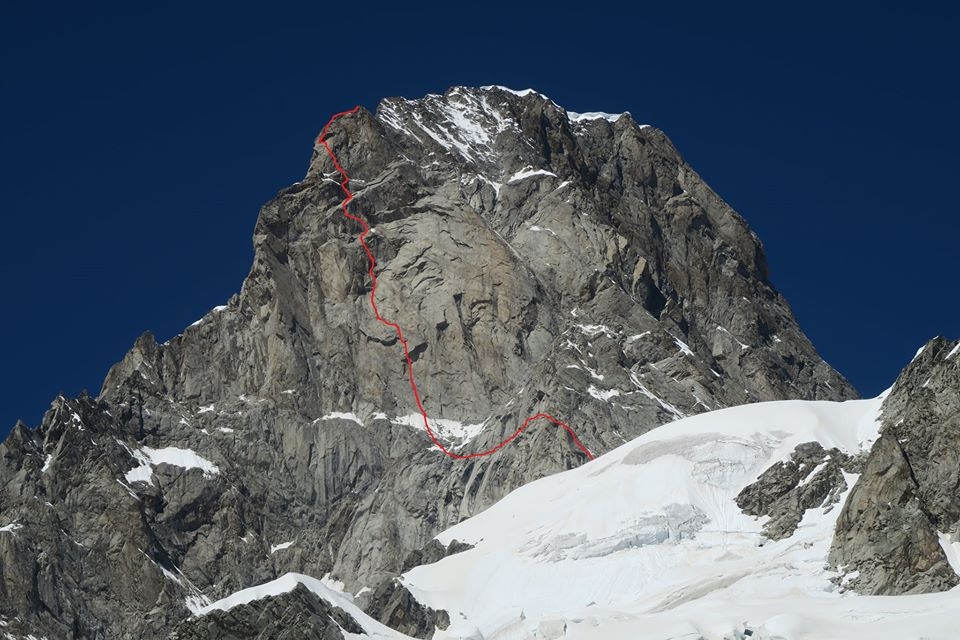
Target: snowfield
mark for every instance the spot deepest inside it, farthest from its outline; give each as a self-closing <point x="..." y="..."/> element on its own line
<point x="647" y="542"/>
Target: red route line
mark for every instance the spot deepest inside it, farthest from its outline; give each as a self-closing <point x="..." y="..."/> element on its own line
<point x="406" y="351"/>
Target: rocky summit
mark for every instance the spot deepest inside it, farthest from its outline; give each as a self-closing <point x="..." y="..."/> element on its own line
<point x="537" y="260"/>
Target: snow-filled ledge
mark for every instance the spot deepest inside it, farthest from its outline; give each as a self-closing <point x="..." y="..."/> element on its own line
<point x="175" y="456"/>
<point x="280" y="547"/>
<point x="595" y="115"/>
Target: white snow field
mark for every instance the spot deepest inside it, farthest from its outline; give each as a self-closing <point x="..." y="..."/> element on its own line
<point x="647" y="542"/>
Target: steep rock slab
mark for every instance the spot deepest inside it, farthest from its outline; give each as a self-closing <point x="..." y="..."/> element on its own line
<point x="889" y="532"/>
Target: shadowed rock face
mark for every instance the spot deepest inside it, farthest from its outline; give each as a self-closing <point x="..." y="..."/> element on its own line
<point x="907" y="494"/>
<point x="536" y="262"/>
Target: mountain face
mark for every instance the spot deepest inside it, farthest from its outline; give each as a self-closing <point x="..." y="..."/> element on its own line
<point x="773" y="521"/>
<point x="537" y="260"/>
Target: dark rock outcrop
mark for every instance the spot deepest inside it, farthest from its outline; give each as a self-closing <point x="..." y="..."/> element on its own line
<point x="887" y="534"/>
<point x="811" y="478"/>
<point x="393" y="605"/>
<point x="432" y="552"/>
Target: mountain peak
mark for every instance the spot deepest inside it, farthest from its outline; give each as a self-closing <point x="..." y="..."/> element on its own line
<point x="538" y="262"/>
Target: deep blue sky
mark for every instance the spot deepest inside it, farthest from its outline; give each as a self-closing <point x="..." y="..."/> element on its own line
<point x="139" y="140"/>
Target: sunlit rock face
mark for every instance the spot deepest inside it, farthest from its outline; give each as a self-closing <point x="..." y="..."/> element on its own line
<point x="537" y="260"/>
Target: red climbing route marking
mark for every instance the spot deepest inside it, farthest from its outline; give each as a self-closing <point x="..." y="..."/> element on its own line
<point x="348" y="196"/>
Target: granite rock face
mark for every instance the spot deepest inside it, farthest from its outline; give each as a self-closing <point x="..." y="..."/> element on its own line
<point x="888" y="535"/>
<point x="811" y="478"/>
<point x="537" y="260"/>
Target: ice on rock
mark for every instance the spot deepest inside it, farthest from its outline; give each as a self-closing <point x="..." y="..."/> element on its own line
<point x="539" y="228"/>
<point x="595" y="115"/>
<point x="339" y="415"/>
<point x="684" y="347"/>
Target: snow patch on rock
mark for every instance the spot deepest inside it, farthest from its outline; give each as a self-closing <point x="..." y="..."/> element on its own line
<point x="529" y="172"/>
<point x="595" y="115"/>
<point x="339" y="415"/>
<point x="175" y="456"/>
<point x="280" y="547"/>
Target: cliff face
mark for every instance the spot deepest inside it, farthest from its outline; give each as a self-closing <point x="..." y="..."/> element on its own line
<point x="537" y="260"/>
<point x="905" y="510"/>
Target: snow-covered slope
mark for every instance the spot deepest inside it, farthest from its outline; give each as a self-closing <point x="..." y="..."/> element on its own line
<point x="648" y="542"/>
<point x="324" y="589"/>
